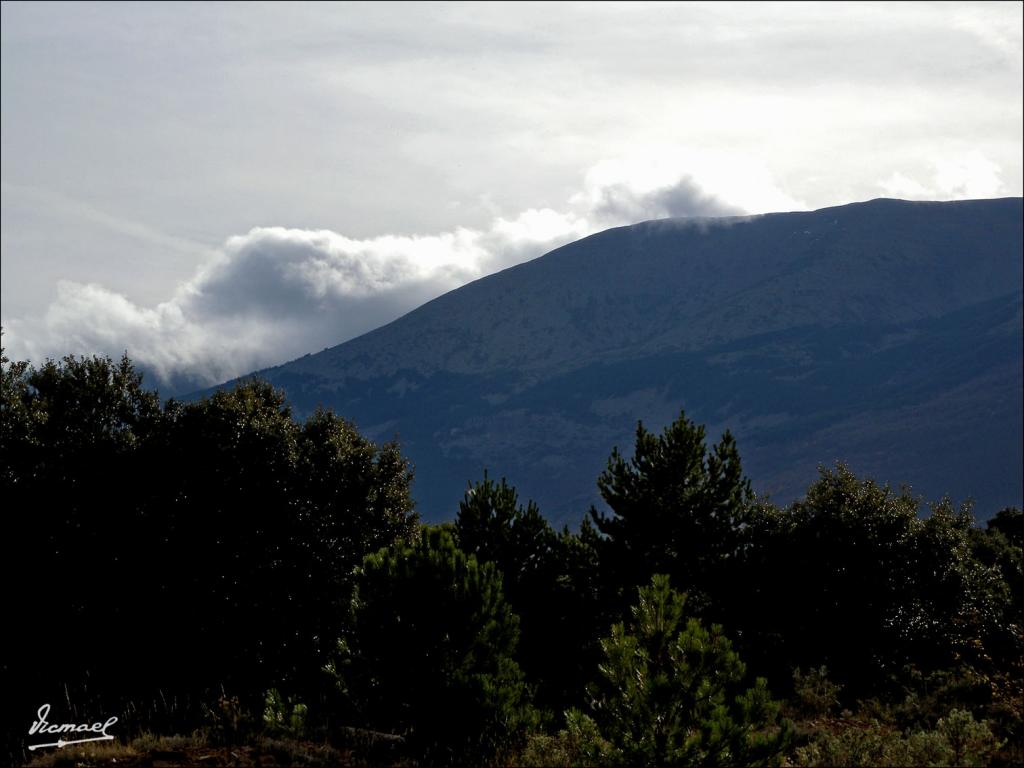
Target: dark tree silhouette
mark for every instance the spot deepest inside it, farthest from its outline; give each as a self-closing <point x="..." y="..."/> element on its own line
<point x="676" y="508"/>
<point x="430" y="655"/>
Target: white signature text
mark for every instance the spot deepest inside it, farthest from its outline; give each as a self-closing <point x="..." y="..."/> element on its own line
<point x="42" y="726"/>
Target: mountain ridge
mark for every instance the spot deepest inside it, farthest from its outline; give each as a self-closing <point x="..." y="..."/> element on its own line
<point x="746" y="322"/>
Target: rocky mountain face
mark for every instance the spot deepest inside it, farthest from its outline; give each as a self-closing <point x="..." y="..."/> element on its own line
<point x="886" y="334"/>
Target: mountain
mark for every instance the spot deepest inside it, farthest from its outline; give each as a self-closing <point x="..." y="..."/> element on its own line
<point x="887" y="334"/>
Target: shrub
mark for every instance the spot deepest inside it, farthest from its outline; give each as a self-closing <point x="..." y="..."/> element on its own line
<point x="957" y="740"/>
<point x="815" y="694"/>
<point x="579" y="744"/>
<point x="282" y="717"/>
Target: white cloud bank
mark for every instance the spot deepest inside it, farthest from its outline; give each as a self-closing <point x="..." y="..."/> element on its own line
<point x="274" y="293"/>
<point x="970" y="176"/>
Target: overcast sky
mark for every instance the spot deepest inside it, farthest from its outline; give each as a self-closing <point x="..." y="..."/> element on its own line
<point x="217" y="188"/>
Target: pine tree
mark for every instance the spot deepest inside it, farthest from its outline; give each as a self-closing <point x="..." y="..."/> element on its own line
<point x="671" y="691"/>
<point x="676" y="508"/>
<point x="495" y="528"/>
<point x="430" y="655"/>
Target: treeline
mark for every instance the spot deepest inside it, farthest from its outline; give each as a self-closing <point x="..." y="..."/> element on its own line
<point x="219" y="566"/>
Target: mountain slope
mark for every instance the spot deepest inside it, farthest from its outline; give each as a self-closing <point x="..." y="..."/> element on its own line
<point x="887" y="334"/>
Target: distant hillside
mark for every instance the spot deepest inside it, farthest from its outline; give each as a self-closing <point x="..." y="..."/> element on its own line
<point x="887" y="334"/>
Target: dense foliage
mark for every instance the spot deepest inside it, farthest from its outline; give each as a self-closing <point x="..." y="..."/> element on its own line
<point x="219" y="565"/>
<point x="676" y="508"/>
<point x="160" y="554"/>
<point x="429" y="653"/>
<point x="671" y="691"/>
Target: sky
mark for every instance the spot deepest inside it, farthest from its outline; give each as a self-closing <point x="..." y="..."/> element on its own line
<point x="215" y="188"/>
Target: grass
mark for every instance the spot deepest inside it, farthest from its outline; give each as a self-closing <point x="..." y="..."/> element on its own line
<point x="86" y="756"/>
<point x="190" y="750"/>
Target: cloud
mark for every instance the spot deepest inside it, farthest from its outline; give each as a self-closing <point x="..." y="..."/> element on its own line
<point x="274" y="293"/>
<point x="648" y="185"/>
<point x="901" y="186"/>
<point x="971" y="175"/>
<point x="684" y="198"/>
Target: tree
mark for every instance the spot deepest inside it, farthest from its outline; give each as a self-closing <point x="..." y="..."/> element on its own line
<point x="72" y="480"/>
<point x="231" y="502"/>
<point x="354" y="493"/>
<point x="676" y="508"/>
<point x="19" y="418"/>
<point x="1010" y="523"/>
<point x="831" y="580"/>
<point x="430" y="653"/>
<point x="672" y="694"/>
<point x="553" y="582"/>
<point x="1001" y="547"/>
<point x="276" y="516"/>
<point x="853" y="577"/>
<point x="966" y="603"/>
<point x="492" y="526"/>
<point x="353" y="498"/>
<point x="220" y="532"/>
